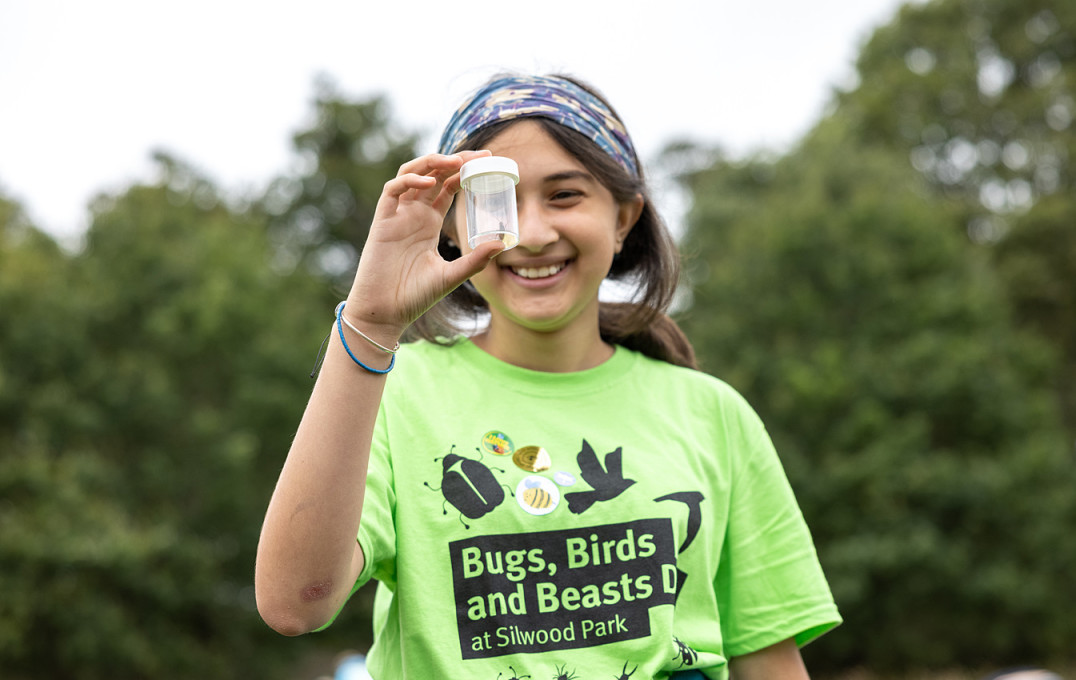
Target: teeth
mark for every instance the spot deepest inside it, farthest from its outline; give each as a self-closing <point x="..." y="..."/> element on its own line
<point x="537" y="272"/>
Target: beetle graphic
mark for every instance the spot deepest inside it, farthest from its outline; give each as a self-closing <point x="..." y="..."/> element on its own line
<point x="624" y="674"/>
<point x="469" y="486"/>
<point x="686" y="654"/>
<point x="514" y="676"/>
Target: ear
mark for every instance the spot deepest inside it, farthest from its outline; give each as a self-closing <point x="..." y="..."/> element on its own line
<point x="627" y="216"/>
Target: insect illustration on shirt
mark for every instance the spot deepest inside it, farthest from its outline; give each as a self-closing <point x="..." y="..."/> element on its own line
<point x="563" y="674"/>
<point x="686" y="654"/>
<point x="624" y="674"/>
<point x="469" y="486"/>
<point x="514" y="676"/>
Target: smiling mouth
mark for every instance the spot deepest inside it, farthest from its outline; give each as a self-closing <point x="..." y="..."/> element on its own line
<point x="539" y="272"/>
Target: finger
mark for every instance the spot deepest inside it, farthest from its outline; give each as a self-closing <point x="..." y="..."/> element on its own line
<point x="439" y="163"/>
<point x="471" y="154"/>
<point x="440" y="175"/>
<point x="451" y="184"/>
<point x="442" y="169"/>
<point x="432" y="163"/>
<point x="449" y="188"/>
<point x="397" y="188"/>
<point x="459" y="270"/>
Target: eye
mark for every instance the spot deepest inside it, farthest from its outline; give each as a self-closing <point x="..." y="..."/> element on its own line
<point x="565" y="195"/>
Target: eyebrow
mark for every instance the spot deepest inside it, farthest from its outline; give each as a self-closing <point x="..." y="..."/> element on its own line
<point x="569" y="174"/>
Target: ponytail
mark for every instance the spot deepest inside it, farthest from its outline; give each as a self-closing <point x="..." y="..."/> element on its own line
<point x="659" y="339"/>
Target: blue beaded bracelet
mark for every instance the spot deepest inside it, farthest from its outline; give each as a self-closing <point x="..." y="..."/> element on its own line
<point x="340" y="330"/>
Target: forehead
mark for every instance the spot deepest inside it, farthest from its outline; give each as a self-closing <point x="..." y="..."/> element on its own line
<point x="531" y="147"/>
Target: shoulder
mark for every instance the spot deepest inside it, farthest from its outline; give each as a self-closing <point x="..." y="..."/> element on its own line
<point x="699" y="384"/>
<point x="679" y="392"/>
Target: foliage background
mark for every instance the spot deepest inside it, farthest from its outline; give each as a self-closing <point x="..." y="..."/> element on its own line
<point x="896" y="295"/>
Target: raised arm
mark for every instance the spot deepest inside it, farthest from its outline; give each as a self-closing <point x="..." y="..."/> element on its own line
<point x="308" y="556"/>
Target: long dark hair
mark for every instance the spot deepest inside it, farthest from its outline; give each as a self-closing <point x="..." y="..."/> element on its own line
<point x="649" y="261"/>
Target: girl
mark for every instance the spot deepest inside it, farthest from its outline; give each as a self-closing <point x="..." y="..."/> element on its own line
<point x="559" y="495"/>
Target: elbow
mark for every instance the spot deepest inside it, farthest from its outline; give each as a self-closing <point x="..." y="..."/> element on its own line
<point x="288" y="622"/>
<point x="288" y="626"/>
<point x="291" y="608"/>
<point x="289" y="616"/>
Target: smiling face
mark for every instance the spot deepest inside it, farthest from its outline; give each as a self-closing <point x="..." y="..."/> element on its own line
<point x="570" y="227"/>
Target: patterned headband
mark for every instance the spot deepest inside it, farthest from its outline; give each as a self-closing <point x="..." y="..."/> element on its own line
<point x="547" y="97"/>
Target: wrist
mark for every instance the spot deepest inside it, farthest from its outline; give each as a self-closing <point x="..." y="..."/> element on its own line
<point x="385" y="335"/>
<point x="369" y="345"/>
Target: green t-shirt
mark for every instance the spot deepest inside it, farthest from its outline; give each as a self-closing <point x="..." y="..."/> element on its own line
<point x="630" y="520"/>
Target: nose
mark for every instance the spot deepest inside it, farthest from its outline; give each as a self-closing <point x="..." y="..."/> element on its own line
<point x="536" y="230"/>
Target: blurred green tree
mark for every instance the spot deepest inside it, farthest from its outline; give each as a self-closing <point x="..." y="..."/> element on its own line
<point x="319" y="217"/>
<point x="1037" y="261"/>
<point x="981" y="96"/>
<point x="148" y="388"/>
<point x="915" y="421"/>
<point x="149" y="385"/>
<point x="980" y="93"/>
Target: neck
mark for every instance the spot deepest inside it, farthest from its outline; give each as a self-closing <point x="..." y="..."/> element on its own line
<point x="576" y="347"/>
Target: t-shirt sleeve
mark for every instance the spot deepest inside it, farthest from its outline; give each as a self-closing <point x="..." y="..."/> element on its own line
<point x="769" y="583"/>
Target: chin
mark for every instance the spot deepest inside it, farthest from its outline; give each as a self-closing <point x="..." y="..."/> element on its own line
<point x="544" y="322"/>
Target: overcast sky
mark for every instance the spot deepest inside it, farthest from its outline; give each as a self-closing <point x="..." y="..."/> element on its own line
<point x="89" y="89"/>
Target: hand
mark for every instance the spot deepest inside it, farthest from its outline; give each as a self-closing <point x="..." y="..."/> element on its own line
<point x="400" y="273"/>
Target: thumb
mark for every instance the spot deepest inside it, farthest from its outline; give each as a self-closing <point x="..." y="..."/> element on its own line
<point x="463" y="268"/>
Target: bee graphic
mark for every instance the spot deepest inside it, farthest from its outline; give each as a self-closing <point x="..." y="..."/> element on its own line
<point x="514" y="676"/>
<point x="624" y="674"/>
<point x="537" y="495"/>
<point x="685" y="653"/>
<point x="563" y="674"/>
<point x="469" y="486"/>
